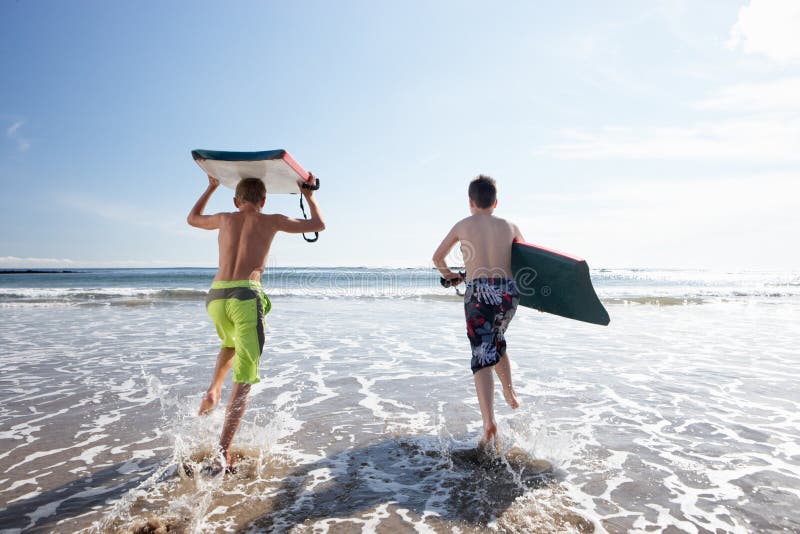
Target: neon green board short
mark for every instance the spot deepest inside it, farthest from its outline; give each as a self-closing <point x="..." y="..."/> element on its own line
<point x="237" y="308"/>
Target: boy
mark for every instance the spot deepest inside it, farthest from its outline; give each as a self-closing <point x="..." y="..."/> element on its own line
<point x="491" y="296"/>
<point x="236" y="302"/>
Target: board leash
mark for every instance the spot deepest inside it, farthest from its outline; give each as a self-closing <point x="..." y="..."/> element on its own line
<point x="314" y="187"/>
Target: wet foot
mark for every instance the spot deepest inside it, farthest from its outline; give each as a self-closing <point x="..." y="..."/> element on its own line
<point x="222" y="462"/>
<point x="230" y="466"/>
<point x="511" y="397"/>
<point x="212" y="468"/>
<point x="209" y="402"/>
<point x="489" y="436"/>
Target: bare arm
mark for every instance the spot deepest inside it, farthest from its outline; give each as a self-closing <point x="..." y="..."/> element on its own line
<point x="196" y="217"/>
<point x="302" y="226"/>
<point x="517" y="233"/>
<point x="439" y="257"/>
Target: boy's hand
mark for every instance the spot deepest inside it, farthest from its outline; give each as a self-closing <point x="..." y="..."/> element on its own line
<point x="308" y="193"/>
<point x="213" y="183"/>
<point x="454" y="278"/>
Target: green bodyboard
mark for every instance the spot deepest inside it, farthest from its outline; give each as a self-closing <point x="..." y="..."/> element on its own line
<point x="556" y="283"/>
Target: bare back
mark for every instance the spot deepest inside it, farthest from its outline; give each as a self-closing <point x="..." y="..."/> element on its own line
<point x="244" y="241"/>
<point x="486" y="245"/>
<point x="245" y="236"/>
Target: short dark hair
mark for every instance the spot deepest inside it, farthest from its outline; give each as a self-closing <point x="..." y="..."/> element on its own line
<point x="483" y="191"/>
<point x="251" y="190"/>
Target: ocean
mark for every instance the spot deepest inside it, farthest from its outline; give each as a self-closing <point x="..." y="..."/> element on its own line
<point x="682" y="415"/>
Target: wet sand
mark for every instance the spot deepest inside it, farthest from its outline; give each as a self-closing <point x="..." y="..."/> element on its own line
<point x="682" y="417"/>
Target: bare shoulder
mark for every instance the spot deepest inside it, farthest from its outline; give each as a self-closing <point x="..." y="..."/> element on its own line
<point x="515" y="231"/>
<point x="276" y="221"/>
<point x="463" y="222"/>
<point x="463" y="227"/>
<point x="273" y="218"/>
<point x="506" y="222"/>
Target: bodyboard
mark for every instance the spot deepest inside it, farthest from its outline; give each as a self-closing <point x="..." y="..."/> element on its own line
<point x="556" y="283"/>
<point x="276" y="168"/>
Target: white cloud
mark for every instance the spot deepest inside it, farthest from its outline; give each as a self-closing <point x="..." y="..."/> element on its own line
<point x="131" y="215"/>
<point x="722" y="223"/>
<point x="12" y="132"/>
<point x="768" y="27"/>
<point x="748" y="138"/>
<point x="762" y="123"/>
<point x="12" y="262"/>
<point x="776" y="95"/>
<point x="107" y="210"/>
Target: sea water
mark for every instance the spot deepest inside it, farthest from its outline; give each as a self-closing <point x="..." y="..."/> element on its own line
<point x="682" y="415"/>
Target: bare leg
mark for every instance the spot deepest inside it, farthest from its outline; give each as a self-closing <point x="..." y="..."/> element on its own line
<point x="233" y="417"/>
<point x="484" y="387"/>
<point x="503" y="370"/>
<point x="211" y="398"/>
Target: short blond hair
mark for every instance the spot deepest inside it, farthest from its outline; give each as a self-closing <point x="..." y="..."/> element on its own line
<point x="251" y="190"/>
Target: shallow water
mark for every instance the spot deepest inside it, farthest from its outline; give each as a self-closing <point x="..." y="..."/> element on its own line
<point x="678" y="418"/>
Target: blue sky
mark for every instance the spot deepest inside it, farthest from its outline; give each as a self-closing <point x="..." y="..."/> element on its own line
<point x="652" y="134"/>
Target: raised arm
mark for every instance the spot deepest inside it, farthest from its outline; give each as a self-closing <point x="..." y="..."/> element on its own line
<point x="303" y="226"/>
<point x="196" y="217"/>
<point x="439" y="257"/>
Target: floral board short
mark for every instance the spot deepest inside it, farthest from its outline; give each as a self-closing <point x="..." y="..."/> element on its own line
<point x="489" y="305"/>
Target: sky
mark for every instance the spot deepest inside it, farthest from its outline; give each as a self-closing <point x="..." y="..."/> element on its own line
<point x="632" y="134"/>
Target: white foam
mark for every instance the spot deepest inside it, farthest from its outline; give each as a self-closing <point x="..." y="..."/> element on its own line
<point x="677" y="392"/>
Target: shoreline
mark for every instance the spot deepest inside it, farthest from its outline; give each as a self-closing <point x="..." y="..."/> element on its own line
<point x="38" y="271"/>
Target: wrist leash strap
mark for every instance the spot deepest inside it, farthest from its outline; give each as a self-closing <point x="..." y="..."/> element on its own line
<point x="303" y="209"/>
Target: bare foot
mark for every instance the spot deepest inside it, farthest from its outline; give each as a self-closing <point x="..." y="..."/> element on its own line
<point x="209" y="402"/>
<point x="489" y="436"/>
<point x="510" y="396"/>
<point x="230" y="463"/>
<point x="222" y="462"/>
<point x="212" y="468"/>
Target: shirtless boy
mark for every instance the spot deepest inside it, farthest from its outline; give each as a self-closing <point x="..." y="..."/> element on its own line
<point x="236" y="302"/>
<point x="491" y="295"/>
